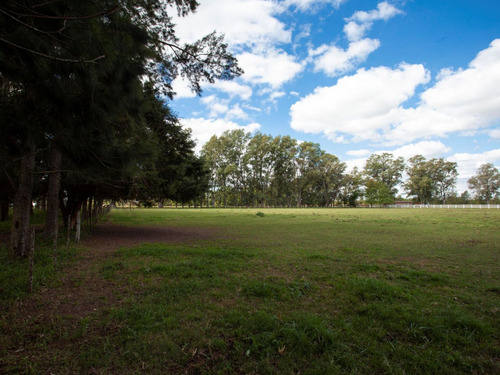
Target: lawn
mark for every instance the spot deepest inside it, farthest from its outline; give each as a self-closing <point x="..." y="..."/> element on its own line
<point x="309" y="291"/>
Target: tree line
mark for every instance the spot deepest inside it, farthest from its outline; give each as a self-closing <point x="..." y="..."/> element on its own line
<point x="262" y="170"/>
<point x="83" y="113"/>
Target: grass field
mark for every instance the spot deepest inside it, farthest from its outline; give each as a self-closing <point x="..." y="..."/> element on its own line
<point x="309" y="291"/>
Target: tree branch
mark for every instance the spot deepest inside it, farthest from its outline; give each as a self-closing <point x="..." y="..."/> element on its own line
<point x="51" y="57"/>
<point x="68" y="18"/>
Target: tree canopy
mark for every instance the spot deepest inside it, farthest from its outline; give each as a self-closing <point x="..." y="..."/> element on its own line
<point x="485" y="183"/>
<point x="82" y="108"/>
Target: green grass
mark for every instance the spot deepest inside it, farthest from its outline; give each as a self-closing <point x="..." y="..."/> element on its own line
<point x="309" y="291"/>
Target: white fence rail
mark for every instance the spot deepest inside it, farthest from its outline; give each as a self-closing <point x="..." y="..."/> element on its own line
<point x="463" y="206"/>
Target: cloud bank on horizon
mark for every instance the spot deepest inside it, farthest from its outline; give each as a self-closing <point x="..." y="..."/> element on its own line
<point x="355" y="78"/>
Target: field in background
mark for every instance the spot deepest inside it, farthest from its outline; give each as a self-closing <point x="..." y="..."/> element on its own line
<point x="309" y="291"/>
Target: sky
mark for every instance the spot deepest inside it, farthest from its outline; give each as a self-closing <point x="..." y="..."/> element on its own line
<point x="356" y="76"/>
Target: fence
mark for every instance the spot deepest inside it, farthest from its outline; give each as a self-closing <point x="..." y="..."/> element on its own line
<point x="464" y="206"/>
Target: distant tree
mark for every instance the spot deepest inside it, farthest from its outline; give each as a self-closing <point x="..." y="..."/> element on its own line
<point x="284" y="150"/>
<point x="377" y="192"/>
<point x="430" y="179"/>
<point x="445" y="178"/>
<point x="419" y="183"/>
<point x="259" y="159"/>
<point x="385" y="168"/>
<point x="485" y="183"/>
<point x="331" y="177"/>
<point x="351" y="188"/>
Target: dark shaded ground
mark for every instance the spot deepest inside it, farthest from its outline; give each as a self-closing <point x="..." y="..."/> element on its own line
<point x="82" y="289"/>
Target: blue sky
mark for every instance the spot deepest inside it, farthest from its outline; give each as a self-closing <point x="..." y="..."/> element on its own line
<point x="356" y="76"/>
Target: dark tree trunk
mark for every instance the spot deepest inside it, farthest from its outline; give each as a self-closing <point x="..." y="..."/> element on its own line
<point x="54" y="183"/>
<point x="20" y="234"/>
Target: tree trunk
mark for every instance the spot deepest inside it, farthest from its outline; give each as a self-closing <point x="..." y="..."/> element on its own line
<point x="20" y="234"/>
<point x="78" y="224"/>
<point x="54" y="183"/>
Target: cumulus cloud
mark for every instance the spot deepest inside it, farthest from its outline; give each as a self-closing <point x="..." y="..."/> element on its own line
<point x="468" y="164"/>
<point x="215" y="105"/>
<point x="358" y="105"/>
<point x="384" y="12"/>
<point x="272" y="67"/>
<point x="460" y="101"/>
<point x="428" y="149"/>
<point x="277" y="94"/>
<point x="203" y="129"/>
<point x="358" y="152"/>
<point x="182" y="89"/>
<point x="334" y="60"/>
<point x="243" y="22"/>
<point x="235" y="112"/>
<point x="472" y="92"/>
<point x="308" y="5"/>
<point x="233" y="88"/>
<point x="220" y="108"/>
<point x="369" y="105"/>
<point x="494" y="133"/>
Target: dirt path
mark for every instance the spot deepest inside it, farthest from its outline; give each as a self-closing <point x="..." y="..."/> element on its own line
<point x="83" y="290"/>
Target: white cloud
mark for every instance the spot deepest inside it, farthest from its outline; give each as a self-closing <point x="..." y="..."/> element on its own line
<point x="277" y="94"/>
<point x="462" y="101"/>
<point x="494" y="133"/>
<point x="272" y="67"/>
<point x="473" y="92"/>
<point x="384" y="11"/>
<point x="369" y="104"/>
<point x="358" y="152"/>
<point x="307" y="5"/>
<point x="233" y="88"/>
<point x="215" y="105"/>
<point x="243" y="22"/>
<point x="428" y="149"/>
<point x="203" y="129"/>
<point x="182" y="89"/>
<point x="354" y="31"/>
<point x="335" y="61"/>
<point x="469" y="163"/>
<point x="358" y="163"/>
<point x="236" y="113"/>
<point x="359" y="105"/>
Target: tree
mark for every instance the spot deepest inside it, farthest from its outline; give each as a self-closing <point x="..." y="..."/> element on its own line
<point x="419" y="183"/>
<point x="445" y="177"/>
<point x="350" y="189"/>
<point x="377" y="192"/>
<point x="284" y="150"/>
<point x="430" y="179"/>
<point x="72" y="67"/>
<point x="385" y="168"/>
<point x="485" y="183"/>
<point x="331" y="177"/>
<point x="259" y="159"/>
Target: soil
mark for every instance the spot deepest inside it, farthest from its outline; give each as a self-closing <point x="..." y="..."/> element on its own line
<point x="82" y="289"/>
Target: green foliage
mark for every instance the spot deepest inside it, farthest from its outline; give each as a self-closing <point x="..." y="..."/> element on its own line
<point x="486" y="183"/>
<point x="430" y="179"/>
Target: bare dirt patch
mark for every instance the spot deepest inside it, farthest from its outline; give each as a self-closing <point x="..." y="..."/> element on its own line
<point x="82" y="289"/>
<point x="110" y="237"/>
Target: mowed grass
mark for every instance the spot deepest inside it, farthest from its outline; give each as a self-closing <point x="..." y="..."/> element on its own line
<point x="309" y="291"/>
